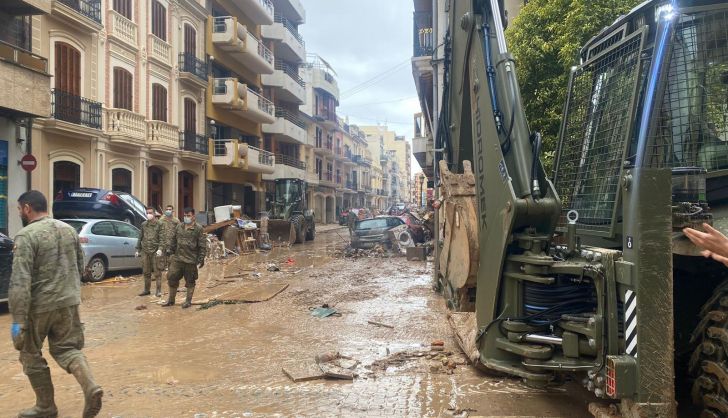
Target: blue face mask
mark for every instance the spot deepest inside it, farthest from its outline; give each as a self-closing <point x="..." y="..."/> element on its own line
<point x="167" y="213"/>
<point x="188" y="220"/>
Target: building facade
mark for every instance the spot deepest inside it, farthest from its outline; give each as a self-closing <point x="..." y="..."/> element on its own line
<point x="24" y="82"/>
<point x="395" y="159"/>
<point x="325" y="139"/>
<point x="127" y="96"/>
<point x="237" y="106"/>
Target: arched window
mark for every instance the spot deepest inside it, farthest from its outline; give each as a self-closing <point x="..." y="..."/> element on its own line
<point x="159" y="102"/>
<point x="190" y="40"/>
<point x="66" y="176"/>
<point x="121" y="180"/>
<point x="123" y="7"/>
<point x="159" y="20"/>
<point x="123" y="89"/>
<point x="67" y="74"/>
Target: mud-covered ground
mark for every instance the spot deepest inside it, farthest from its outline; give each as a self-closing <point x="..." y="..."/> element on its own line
<point x="227" y="360"/>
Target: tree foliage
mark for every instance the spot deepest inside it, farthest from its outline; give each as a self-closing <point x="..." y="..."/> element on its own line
<point x="545" y="39"/>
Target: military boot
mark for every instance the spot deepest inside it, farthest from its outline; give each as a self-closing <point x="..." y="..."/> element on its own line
<point x="172" y="295"/>
<point x="45" y="407"/>
<point x="91" y="391"/>
<point x="188" y="299"/>
<point x="147" y="286"/>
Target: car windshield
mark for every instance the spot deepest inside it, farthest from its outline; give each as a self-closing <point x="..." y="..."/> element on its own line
<point x="372" y="223"/>
<point x="77" y="225"/>
<point x="131" y="201"/>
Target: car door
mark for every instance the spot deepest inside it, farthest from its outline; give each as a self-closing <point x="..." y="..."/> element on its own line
<point x="130" y="235"/>
<point x="107" y="242"/>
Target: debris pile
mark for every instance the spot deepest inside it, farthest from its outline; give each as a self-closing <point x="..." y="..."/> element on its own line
<point x="436" y="357"/>
<point x="350" y="252"/>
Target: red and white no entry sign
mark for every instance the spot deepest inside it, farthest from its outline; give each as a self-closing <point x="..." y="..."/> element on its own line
<point x="28" y="162"/>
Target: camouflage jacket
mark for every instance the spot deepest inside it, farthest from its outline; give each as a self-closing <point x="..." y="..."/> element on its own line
<point x="168" y="227"/>
<point x="189" y="244"/>
<point x="151" y="238"/>
<point x="47" y="267"/>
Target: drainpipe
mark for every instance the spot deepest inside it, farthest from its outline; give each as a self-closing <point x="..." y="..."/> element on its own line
<point x="29" y="150"/>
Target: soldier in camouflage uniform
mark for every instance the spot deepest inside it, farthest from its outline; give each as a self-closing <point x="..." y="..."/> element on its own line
<point x="169" y="223"/>
<point x="149" y="246"/>
<point x="44" y="296"/>
<point x="188" y="246"/>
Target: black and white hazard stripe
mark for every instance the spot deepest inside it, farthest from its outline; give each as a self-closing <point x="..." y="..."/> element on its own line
<point x="630" y="322"/>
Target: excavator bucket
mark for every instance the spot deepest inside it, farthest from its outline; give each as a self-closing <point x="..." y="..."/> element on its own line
<point x="281" y="232"/>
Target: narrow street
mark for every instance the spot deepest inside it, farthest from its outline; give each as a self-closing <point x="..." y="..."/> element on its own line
<point x="227" y="360"/>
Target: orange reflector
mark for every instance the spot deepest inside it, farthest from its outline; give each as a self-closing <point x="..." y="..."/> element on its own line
<point x="611" y="388"/>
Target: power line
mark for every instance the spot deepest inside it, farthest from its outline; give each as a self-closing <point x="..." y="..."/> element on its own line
<point x="374" y="80"/>
<point x="378" y="103"/>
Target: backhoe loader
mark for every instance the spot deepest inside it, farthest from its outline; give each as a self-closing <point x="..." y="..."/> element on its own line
<point x="586" y="272"/>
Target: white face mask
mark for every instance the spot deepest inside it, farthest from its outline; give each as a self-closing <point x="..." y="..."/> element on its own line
<point x="167" y="213"/>
<point x="188" y="220"/>
<point x="150" y="216"/>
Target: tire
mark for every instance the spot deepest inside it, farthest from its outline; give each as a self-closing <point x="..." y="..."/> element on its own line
<point x="710" y="359"/>
<point x="311" y="231"/>
<point x="97" y="269"/>
<point x="297" y="222"/>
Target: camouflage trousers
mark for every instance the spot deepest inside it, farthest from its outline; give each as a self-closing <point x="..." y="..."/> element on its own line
<point x="64" y="331"/>
<point x="177" y="270"/>
<point x="151" y="265"/>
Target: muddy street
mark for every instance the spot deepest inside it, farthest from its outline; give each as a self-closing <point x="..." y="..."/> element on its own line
<point x="227" y="360"/>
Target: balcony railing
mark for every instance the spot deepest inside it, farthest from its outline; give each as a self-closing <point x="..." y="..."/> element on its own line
<point x="220" y="147"/>
<point x="263" y="104"/>
<point x="229" y="25"/>
<point x="264" y="157"/>
<point x="268" y="5"/>
<point x="191" y="141"/>
<point x="162" y="134"/>
<point x="88" y="8"/>
<point x="290" y="27"/>
<point x="326" y="176"/>
<point x="125" y="123"/>
<point x="75" y="109"/>
<point x="291" y="72"/>
<point x="423" y="37"/>
<point x="19" y="56"/>
<point x="291" y="116"/>
<point x="290" y="161"/>
<point x="122" y="28"/>
<point x="189" y="63"/>
<point x="159" y="49"/>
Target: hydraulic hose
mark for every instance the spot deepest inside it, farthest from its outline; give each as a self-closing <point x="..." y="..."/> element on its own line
<point x="535" y="188"/>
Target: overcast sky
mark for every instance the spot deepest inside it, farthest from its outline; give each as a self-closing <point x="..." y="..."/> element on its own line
<point x="369" y="45"/>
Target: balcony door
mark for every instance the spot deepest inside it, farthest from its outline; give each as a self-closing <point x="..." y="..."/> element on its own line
<point x="186" y="191"/>
<point x="190" y="125"/>
<point x="155" y="187"/>
<point x="190" y="37"/>
<point x="67" y="83"/>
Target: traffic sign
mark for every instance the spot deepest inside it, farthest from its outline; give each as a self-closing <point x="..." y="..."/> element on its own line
<point x="28" y="162"/>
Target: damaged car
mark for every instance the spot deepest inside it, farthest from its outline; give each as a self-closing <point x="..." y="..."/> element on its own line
<point x="368" y="233"/>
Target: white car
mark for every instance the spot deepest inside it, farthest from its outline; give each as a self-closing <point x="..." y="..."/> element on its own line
<point x="108" y="245"/>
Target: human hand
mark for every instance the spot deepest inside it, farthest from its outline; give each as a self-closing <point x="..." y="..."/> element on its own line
<point x="159" y="253"/>
<point x="136" y="254"/>
<point x="712" y="241"/>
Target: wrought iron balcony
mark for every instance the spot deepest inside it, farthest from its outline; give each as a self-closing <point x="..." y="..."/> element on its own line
<point x="189" y="63"/>
<point x="88" y="8"/>
<point x="423" y="35"/>
<point x="290" y="27"/>
<point x="191" y="141"/>
<point x="75" y="109"/>
<point x="290" y="161"/>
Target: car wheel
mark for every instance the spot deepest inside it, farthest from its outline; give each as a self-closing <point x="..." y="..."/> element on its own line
<point x="96" y="269"/>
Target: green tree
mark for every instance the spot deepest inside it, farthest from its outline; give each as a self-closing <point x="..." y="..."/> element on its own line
<point x="545" y="38"/>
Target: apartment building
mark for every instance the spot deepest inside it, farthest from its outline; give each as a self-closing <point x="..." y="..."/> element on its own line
<point x="24" y="82"/>
<point x="326" y="175"/>
<point x="236" y="104"/>
<point x="287" y="136"/>
<point x="128" y="87"/>
<point x="395" y="159"/>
